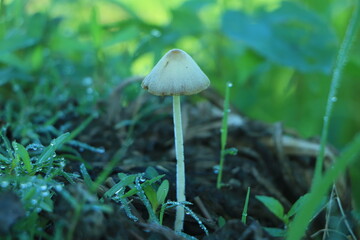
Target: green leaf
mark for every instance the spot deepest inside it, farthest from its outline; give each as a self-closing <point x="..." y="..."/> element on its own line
<point x="125" y="181"/>
<point x="143" y="185"/>
<point x="273" y="205"/>
<point x="20" y="150"/>
<point x="297" y="205"/>
<point x="16" y="42"/>
<point x="47" y="205"/>
<point x="54" y="145"/>
<point x="291" y="35"/>
<point x="88" y="181"/>
<point x="162" y="192"/>
<point x="151" y="195"/>
<point x="4" y="159"/>
<point x="151" y="172"/>
<point x="221" y="222"/>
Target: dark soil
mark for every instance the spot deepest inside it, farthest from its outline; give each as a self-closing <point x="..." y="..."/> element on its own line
<point x="273" y="161"/>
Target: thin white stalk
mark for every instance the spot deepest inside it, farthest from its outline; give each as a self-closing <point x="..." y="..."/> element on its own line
<point x="180" y="165"/>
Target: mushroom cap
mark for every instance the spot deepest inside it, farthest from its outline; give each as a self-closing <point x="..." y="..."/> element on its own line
<point x="176" y="73"/>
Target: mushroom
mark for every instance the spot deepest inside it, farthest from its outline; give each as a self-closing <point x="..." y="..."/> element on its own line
<point x="177" y="74"/>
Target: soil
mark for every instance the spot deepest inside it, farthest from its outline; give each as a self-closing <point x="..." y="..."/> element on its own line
<point x="271" y="160"/>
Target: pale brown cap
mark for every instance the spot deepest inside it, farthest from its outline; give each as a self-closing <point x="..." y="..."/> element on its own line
<point x="176" y="74"/>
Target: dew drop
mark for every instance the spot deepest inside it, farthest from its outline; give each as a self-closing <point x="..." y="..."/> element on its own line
<point x="87" y="81"/>
<point x="33" y="146"/>
<point x="216" y="169"/>
<point x="118" y="191"/>
<point x="4" y="184"/>
<point x="89" y="90"/>
<point x="334" y="99"/>
<point x="45" y="194"/>
<point x="155" y="33"/>
<point x="16" y="88"/>
<point x="230" y="84"/>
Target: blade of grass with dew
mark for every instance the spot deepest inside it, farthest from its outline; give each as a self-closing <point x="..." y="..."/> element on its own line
<point x="246" y="204"/>
<point x="143" y="185"/>
<point x="224" y="133"/>
<point x="4" y="159"/>
<point x="321" y="184"/>
<point x="171" y="204"/>
<point x="145" y="200"/>
<point x="125" y="206"/>
<point x="7" y="142"/>
<point x="68" y="177"/>
<point x="162" y="212"/>
<point x="88" y="181"/>
<point x="20" y="150"/>
<point x="298" y="226"/>
<point x="127" y="180"/>
<point x="54" y="145"/>
<point x="335" y="82"/>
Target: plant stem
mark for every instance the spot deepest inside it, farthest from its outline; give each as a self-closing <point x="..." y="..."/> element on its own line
<point x="246" y="204"/>
<point x="224" y="133"/>
<point x="180" y="165"/>
<point x="335" y="82"/>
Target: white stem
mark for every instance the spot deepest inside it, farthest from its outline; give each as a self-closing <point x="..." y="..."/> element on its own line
<point x="180" y="166"/>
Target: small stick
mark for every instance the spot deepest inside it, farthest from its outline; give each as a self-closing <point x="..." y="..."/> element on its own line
<point x="202" y="208"/>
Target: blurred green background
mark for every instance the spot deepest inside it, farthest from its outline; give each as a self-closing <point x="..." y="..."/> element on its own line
<point x="59" y="57"/>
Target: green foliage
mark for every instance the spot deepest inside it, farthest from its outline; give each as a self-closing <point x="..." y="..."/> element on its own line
<point x="335" y="83"/>
<point x="145" y="186"/>
<point x="80" y="50"/>
<point x="60" y="60"/>
<point x="290" y="35"/>
<point x="320" y="183"/>
<point x="320" y="189"/>
<point x="275" y="206"/>
<point x="30" y="173"/>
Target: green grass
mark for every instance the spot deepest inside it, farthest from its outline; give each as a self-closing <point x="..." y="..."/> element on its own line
<point x="60" y="62"/>
<point x="322" y="182"/>
<point x="224" y="134"/>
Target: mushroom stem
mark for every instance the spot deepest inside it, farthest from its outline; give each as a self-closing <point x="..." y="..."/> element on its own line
<point x="180" y="166"/>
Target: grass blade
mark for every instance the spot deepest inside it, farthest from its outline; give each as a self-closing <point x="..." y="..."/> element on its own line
<point x="335" y="82"/>
<point x="298" y="225"/>
<point x="54" y="145"/>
